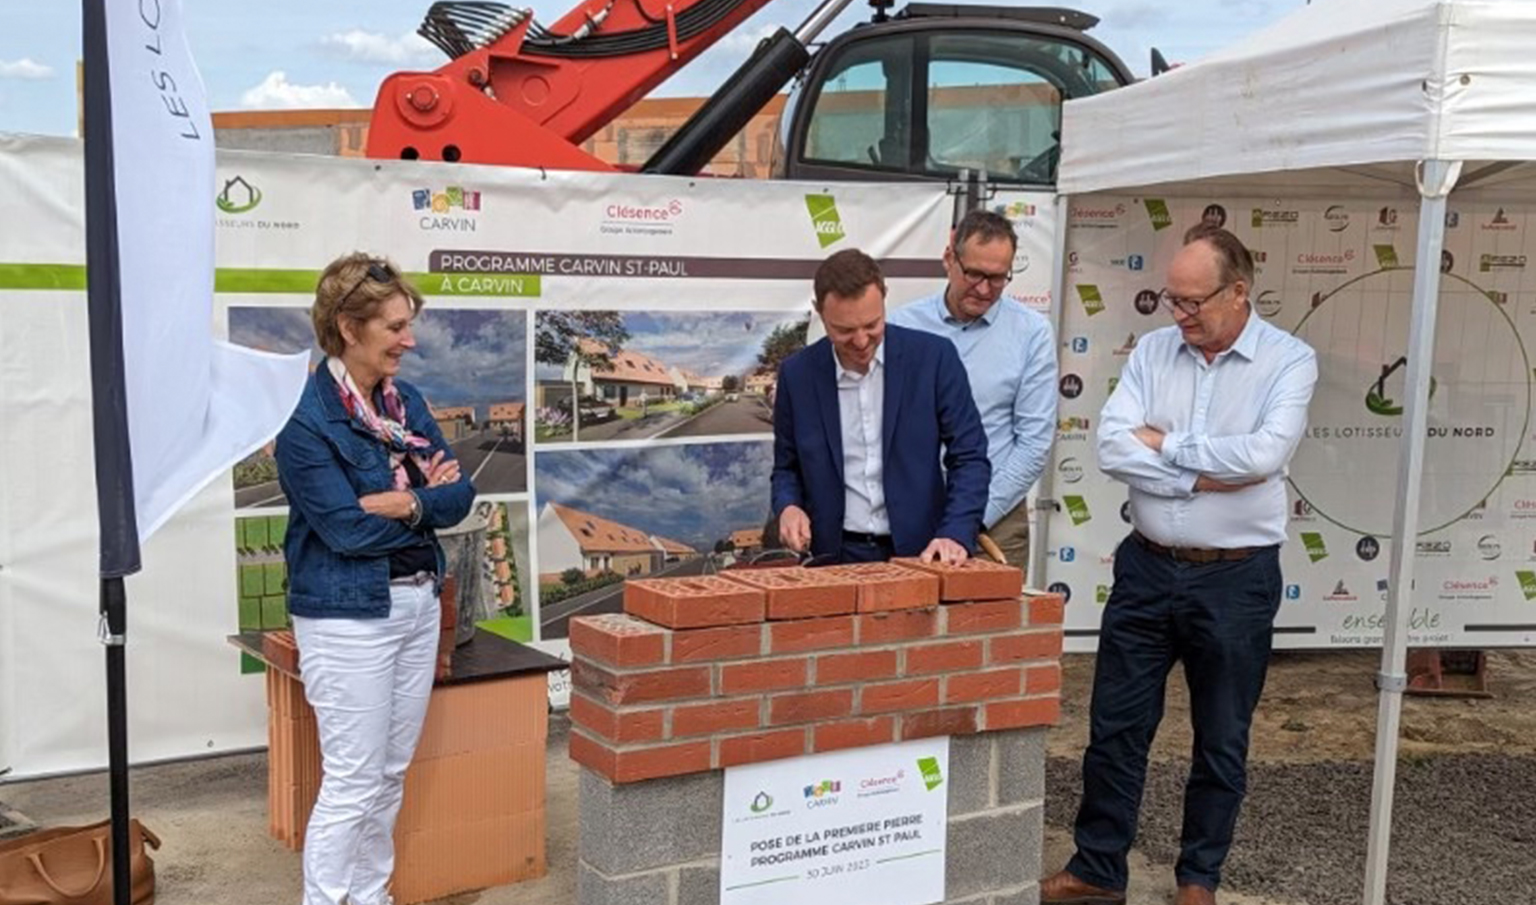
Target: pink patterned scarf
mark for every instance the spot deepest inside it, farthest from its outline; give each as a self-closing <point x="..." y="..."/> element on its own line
<point x="389" y="427"/>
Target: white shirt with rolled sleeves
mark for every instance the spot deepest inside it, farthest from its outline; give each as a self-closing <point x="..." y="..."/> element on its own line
<point x="861" y="409"/>
<point x="1235" y="419"/>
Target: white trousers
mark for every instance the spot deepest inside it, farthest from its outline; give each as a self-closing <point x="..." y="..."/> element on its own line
<point x="368" y="681"/>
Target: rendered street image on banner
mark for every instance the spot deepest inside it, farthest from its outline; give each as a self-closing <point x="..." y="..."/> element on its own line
<point x="1337" y="274"/>
<point x="863" y="825"/>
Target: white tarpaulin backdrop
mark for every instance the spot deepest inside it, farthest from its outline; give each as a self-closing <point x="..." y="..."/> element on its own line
<point x="699" y="274"/>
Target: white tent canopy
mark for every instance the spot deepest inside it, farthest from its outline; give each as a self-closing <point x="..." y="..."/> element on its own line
<point x="1351" y="97"/>
<point x="1373" y="86"/>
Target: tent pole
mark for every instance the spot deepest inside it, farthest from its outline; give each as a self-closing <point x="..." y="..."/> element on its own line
<point x="1045" y="506"/>
<point x="1436" y="178"/>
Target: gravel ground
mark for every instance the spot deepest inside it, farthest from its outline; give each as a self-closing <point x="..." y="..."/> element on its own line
<point x="1464" y="828"/>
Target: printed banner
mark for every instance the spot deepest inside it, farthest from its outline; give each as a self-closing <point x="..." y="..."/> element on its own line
<point x="1337" y="274"/>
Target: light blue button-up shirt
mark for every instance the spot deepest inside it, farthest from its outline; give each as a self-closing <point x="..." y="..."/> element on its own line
<point x="861" y="411"/>
<point x="1010" y="358"/>
<point x="1236" y="419"/>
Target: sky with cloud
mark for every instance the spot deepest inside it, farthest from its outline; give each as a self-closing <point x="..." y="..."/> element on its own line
<point x="299" y="53"/>
<point x="710" y="344"/>
<point x="696" y="494"/>
<point x="462" y="357"/>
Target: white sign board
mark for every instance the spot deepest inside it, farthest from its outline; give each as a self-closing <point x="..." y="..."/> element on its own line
<point x="863" y="825"/>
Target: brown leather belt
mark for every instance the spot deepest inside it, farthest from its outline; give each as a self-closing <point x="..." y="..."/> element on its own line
<point x="1196" y="554"/>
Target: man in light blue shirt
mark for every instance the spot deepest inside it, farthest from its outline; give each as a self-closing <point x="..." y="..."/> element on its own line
<point x="1200" y="427"/>
<point x="1010" y="356"/>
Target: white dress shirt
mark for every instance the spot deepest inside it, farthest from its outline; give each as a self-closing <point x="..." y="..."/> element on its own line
<point x="1235" y="419"/>
<point x="861" y="408"/>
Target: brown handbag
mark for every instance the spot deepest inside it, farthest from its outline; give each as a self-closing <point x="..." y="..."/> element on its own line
<point x="72" y="865"/>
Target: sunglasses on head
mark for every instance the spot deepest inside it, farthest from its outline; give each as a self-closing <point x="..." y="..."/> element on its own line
<point x="378" y="271"/>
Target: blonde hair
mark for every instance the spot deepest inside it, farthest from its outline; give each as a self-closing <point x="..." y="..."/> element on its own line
<point x="353" y="287"/>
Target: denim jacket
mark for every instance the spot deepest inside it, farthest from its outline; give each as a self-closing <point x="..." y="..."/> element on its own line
<point x="338" y="555"/>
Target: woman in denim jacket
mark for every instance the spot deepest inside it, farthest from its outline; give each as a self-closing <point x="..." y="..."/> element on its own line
<point x="368" y="479"/>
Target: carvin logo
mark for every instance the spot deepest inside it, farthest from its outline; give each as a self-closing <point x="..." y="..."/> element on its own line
<point x="1015" y="210"/>
<point x="1337" y="218"/>
<point x="238" y="196"/>
<point x="822" y="793"/>
<point x="1489" y="263"/>
<point x="825" y="219"/>
<point x="932" y="776"/>
<point x="1073" y="428"/>
<point x="1157" y="209"/>
<point x="1271" y="219"/>
<point x="437" y="208"/>
<point x="1527" y="581"/>
<point x="1077" y="508"/>
<point x="1093" y="302"/>
<point x="1317" y="551"/>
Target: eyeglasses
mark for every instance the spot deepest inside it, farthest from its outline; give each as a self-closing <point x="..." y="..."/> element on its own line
<point x="1188" y="306"/>
<point x="378" y="271"/>
<point x="975" y="277"/>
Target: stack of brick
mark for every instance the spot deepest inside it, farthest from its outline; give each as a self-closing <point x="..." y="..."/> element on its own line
<point x="710" y="672"/>
<point x="699" y="674"/>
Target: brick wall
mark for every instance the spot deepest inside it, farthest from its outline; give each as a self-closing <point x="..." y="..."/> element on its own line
<point x="705" y="673"/>
<point x="709" y="672"/>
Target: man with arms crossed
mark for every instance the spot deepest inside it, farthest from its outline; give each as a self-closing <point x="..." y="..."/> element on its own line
<point x="1201" y="426"/>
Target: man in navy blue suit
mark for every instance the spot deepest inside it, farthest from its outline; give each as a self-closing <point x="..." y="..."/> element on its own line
<point x="861" y="423"/>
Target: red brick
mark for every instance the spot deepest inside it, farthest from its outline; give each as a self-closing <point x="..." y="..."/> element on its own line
<point x="854" y="734"/>
<point x="990" y="616"/>
<point x="1043" y="645"/>
<point x="639" y="687"/>
<point x="710" y="719"/>
<point x="1022" y="713"/>
<point x="891" y="696"/>
<point x="796" y="593"/>
<point x="618" y="640"/>
<point x="728" y="643"/>
<point x="763" y="675"/>
<point x="897" y="625"/>
<point x="835" y="669"/>
<point x="810" y="634"/>
<point x="978" y="686"/>
<point x="809" y="706"/>
<point x="635" y="764"/>
<point x="883" y="586"/>
<point x="974" y="579"/>
<point x="697" y="602"/>
<point x="928" y="723"/>
<point x="1042" y="679"/>
<point x="623" y="726"/>
<point x="947" y="657"/>
<point x="761" y="746"/>
<point x="1046" y="609"/>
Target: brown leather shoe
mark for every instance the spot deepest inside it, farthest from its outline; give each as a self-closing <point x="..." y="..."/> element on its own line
<point x="1194" y="894"/>
<point x="1062" y="888"/>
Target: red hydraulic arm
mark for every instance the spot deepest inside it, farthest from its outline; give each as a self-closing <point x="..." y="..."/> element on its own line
<point x="517" y="94"/>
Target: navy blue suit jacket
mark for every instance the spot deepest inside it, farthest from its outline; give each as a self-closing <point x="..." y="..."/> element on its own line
<point x="929" y="416"/>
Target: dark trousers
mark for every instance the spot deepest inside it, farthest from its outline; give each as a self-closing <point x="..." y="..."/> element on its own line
<point x="1217" y="619"/>
<point x="865" y="548"/>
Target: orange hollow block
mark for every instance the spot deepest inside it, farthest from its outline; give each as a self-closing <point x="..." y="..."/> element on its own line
<point x="974" y="579"/>
<point x="796" y="593"/>
<point x="883" y="586"/>
<point x="698" y="602"/>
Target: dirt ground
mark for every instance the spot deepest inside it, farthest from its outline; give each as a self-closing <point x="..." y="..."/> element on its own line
<point x="1322" y="706"/>
<point x="1462" y="834"/>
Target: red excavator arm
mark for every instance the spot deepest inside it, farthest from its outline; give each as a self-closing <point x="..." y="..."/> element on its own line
<point x="518" y="94"/>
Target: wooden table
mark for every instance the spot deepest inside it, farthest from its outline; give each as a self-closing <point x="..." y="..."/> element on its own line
<point x="473" y="815"/>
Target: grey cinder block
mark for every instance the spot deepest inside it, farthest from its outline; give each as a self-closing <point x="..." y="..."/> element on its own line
<point x="593" y="888"/>
<point x="970" y="774"/>
<point x="991" y="851"/>
<point x="1020" y="766"/>
<point x="646" y="825"/>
